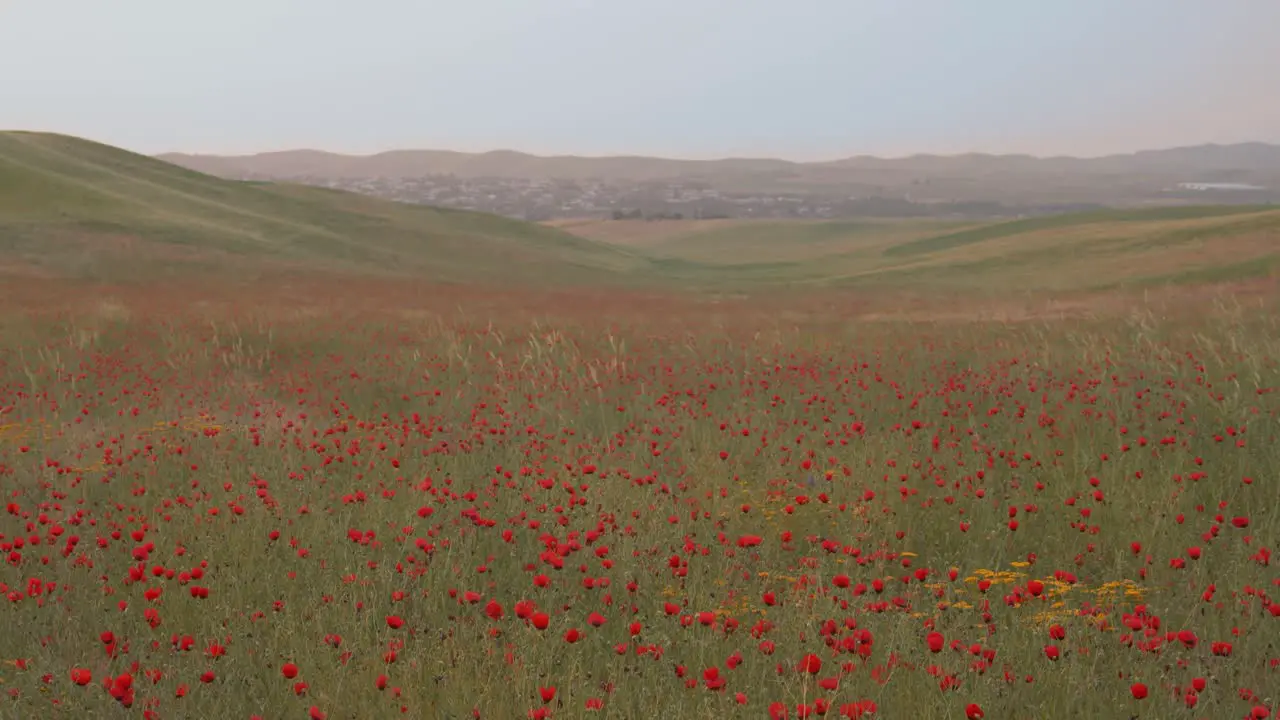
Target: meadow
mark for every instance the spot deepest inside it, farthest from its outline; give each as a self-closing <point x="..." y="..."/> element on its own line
<point x="247" y="509"/>
<point x="329" y="495"/>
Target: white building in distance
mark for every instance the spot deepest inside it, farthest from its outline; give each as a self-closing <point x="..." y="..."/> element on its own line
<point x="1218" y="186"/>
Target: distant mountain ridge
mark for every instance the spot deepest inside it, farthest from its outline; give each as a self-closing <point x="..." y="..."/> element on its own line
<point x="1244" y="161"/>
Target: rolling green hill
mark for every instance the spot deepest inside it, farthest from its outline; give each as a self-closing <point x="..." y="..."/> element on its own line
<point x="1080" y="252"/>
<point x="77" y="209"/>
<point x="74" y="208"/>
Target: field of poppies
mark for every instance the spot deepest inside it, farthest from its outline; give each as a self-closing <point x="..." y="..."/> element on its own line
<point x="247" y="509"/>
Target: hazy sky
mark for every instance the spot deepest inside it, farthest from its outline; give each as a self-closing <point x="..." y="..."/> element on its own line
<point x="804" y="79"/>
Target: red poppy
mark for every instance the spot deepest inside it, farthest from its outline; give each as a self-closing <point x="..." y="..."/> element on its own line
<point x="493" y="609"/>
<point x="811" y="664"/>
<point x="935" y="641"/>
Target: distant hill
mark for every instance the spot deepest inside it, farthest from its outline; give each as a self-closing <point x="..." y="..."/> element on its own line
<point x="1244" y="158"/>
<point x="78" y="209"/>
<point x="1078" y="252"/>
<point x="495" y="164"/>
<point x="974" y="177"/>
<point x="75" y="208"/>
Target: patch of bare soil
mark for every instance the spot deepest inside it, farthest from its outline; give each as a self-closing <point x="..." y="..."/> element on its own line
<point x="637" y="233"/>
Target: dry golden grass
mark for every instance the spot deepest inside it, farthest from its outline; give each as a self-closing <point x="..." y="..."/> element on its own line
<point x="1071" y="253"/>
<point x="314" y="297"/>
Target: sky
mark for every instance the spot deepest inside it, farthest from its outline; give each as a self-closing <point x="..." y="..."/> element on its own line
<point x="800" y="79"/>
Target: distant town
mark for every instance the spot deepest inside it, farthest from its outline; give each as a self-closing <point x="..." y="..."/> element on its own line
<point x="542" y="200"/>
<point x="530" y="187"/>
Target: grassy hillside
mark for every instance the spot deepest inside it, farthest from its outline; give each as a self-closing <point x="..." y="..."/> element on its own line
<point x="73" y="208"/>
<point x="1080" y="252"/>
<point x="70" y="207"/>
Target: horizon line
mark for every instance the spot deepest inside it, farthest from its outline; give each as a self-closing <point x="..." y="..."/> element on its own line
<point x="723" y="158"/>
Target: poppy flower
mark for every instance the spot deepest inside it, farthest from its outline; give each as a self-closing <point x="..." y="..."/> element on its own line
<point x="811" y="664"/>
<point x="935" y="641"/>
<point x="494" y="610"/>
